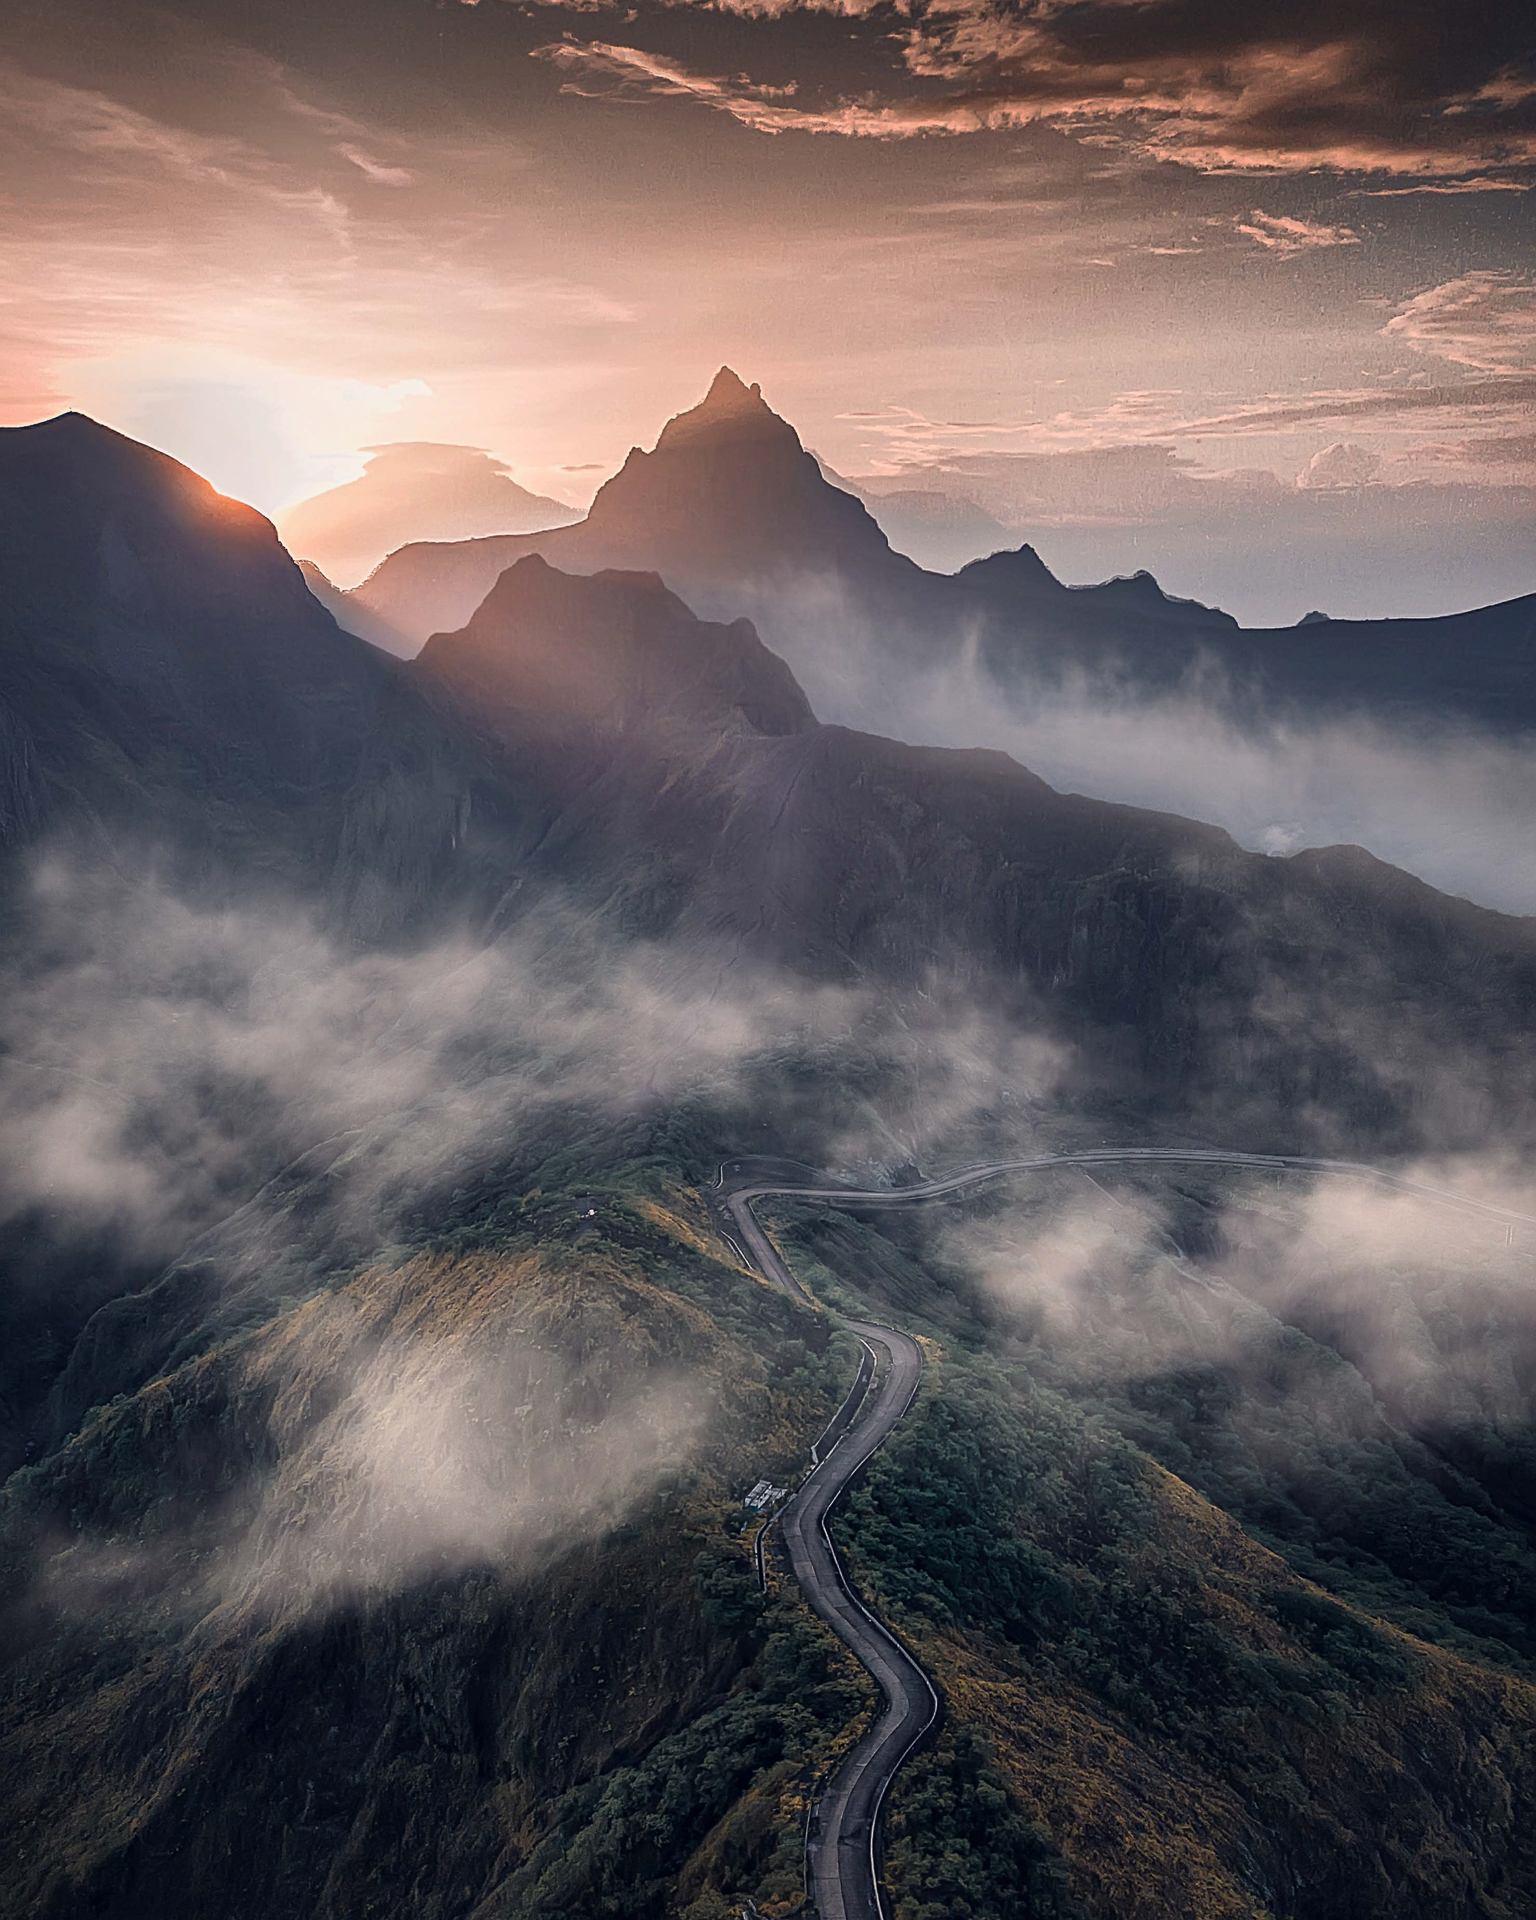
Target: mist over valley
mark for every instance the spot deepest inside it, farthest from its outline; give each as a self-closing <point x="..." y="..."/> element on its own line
<point x="787" y="1177"/>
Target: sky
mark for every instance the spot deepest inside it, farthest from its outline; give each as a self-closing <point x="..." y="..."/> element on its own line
<point x="1241" y="290"/>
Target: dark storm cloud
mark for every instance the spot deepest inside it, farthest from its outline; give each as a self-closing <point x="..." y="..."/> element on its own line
<point x="1268" y="86"/>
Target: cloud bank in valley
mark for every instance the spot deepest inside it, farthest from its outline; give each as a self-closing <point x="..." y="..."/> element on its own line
<point x="1447" y="803"/>
<point x="162" y="1057"/>
<point x="239" y="1093"/>
<point x="1410" y="1312"/>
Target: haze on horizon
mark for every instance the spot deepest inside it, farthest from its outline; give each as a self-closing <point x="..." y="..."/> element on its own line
<point x="1246" y="296"/>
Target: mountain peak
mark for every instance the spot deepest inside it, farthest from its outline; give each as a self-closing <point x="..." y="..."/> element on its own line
<point x="728" y="393"/>
<point x="1014" y="569"/>
<point x="729" y="411"/>
<point x="117" y="522"/>
<point x="615" y="650"/>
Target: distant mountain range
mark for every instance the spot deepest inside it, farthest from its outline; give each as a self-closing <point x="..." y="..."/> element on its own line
<point x="940" y="531"/>
<point x="379" y="1547"/>
<point x="413" y="490"/>
<point x="733" y="512"/>
<point x="169" y="682"/>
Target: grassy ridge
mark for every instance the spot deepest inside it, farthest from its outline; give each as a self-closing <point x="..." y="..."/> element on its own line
<point x="372" y="1602"/>
<point x="1198" y="1729"/>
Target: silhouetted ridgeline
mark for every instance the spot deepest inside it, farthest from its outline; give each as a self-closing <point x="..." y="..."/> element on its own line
<point x="737" y="516"/>
<point x="169" y="683"/>
<point x="378" y="1395"/>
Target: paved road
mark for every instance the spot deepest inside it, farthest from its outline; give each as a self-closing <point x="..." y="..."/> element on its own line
<point x="1110" y="1156"/>
<point x="841" y="1855"/>
<point x="841" y="1866"/>
<point x="841" y="1872"/>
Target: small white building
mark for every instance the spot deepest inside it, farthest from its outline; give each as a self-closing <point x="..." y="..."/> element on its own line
<point x="764" y="1495"/>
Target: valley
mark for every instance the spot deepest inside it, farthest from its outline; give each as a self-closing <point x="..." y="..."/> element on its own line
<point x="767" y="960"/>
<point x="842" y="1852"/>
<point x="382" y="1381"/>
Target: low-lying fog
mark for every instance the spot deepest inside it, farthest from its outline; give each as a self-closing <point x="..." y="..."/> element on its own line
<point x="1453" y="805"/>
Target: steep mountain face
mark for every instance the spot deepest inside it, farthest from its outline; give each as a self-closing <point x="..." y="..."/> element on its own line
<point x="736" y="515"/>
<point x="383" y="1547"/>
<point x="728" y="492"/>
<point x="616" y="654"/>
<point x="169" y="685"/>
<point x="1213" y="974"/>
<point x="352" y="618"/>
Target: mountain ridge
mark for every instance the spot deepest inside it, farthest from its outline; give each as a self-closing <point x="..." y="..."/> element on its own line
<point x="590" y="733"/>
<point x="391" y="1534"/>
<point x="740" y="518"/>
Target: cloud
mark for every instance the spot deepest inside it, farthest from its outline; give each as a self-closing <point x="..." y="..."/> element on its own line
<point x="1432" y="1310"/>
<point x="381" y="175"/>
<point x="452" y="1435"/>
<point x="1514" y="453"/>
<point x="601" y="67"/>
<point x="1485" y="320"/>
<point x="233" y="1090"/>
<point x="160" y="1059"/>
<point x="413" y="490"/>
<point x="1109" y="483"/>
<point x="117" y="141"/>
<point x="1506" y="394"/>
<point x="1287" y="236"/>
<point x="1275" y="88"/>
<point x="1479" y="183"/>
<point x="1341" y="465"/>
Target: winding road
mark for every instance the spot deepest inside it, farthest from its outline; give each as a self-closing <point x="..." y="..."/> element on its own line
<point x="842" y="1874"/>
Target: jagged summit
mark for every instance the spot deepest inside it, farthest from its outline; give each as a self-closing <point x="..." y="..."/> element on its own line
<point x="616" y="651"/>
<point x="1017" y="568"/>
<point x="729" y="393"/>
<point x="728" y="492"/>
<point x="731" y="411"/>
<point x="1021" y="576"/>
<point x="1146" y="593"/>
